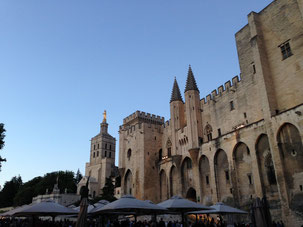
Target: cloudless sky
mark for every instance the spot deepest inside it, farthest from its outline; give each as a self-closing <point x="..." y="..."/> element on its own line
<point x="62" y="63"/>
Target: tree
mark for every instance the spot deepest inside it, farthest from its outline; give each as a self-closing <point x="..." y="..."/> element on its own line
<point x="2" y="135"/>
<point x="39" y="185"/>
<point x="78" y="176"/>
<point x="9" y="191"/>
<point x="108" y="191"/>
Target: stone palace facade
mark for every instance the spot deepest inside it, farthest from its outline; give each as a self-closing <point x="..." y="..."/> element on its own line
<point x="244" y="140"/>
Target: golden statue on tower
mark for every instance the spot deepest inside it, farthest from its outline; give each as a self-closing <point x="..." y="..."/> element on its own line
<point x="104" y="117"/>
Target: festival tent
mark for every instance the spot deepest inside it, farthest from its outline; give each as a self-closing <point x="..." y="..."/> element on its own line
<point x="131" y="205"/>
<point x="47" y="208"/>
<point x="181" y="205"/>
<point x="219" y="208"/>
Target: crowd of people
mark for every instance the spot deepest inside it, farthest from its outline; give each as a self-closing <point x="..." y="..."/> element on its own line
<point x="206" y="222"/>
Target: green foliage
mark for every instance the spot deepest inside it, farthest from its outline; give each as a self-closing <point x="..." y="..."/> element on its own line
<point x="38" y="186"/>
<point x="108" y="191"/>
<point x="9" y="191"/>
<point x="2" y="135"/>
<point x="26" y="192"/>
<point x="78" y="176"/>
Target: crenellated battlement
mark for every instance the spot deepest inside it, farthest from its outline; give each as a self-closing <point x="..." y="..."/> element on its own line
<point x="229" y="86"/>
<point x="151" y="118"/>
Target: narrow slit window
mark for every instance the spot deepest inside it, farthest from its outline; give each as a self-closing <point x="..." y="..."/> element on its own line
<point x="232" y="106"/>
<point x="219" y="132"/>
<point x="227" y="175"/>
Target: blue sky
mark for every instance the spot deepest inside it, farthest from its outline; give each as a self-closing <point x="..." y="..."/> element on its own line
<point x="62" y="63"/>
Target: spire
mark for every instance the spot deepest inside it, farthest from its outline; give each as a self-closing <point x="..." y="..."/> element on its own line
<point x="176" y="94"/>
<point x="191" y="82"/>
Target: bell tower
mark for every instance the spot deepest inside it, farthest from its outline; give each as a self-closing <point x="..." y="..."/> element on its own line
<point x="102" y="160"/>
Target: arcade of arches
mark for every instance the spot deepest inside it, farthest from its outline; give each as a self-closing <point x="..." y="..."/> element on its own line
<point x="234" y="179"/>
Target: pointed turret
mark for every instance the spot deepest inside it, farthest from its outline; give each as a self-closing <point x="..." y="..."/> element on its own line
<point x="191" y="82"/>
<point x="176" y="94"/>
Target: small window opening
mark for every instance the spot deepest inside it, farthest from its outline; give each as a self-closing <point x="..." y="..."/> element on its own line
<point x="110" y="155"/>
<point x="94" y="154"/>
<point x="245" y="115"/>
<point x="219" y="132"/>
<point x="207" y="180"/>
<point x="106" y="146"/>
<point x="129" y="153"/>
<point x="249" y="179"/>
<point x="209" y="136"/>
<point x="105" y="153"/>
<point x="285" y="50"/>
<point x="94" y="146"/>
<point x="155" y="138"/>
<point x="97" y="153"/>
<point x="110" y="147"/>
<point x="232" y="107"/>
<point x="231" y="191"/>
<point x="301" y="188"/>
<point x="169" y="152"/>
<point x="98" y="146"/>
<point x="200" y="141"/>
<point x="254" y="68"/>
<point x="227" y="175"/>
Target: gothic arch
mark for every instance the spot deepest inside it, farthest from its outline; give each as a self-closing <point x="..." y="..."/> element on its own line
<point x="128" y="182"/>
<point x="291" y="153"/>
<point x="186" y="174"/>
<point x="204" y="170"/>
<point x="191" y="194"/>
<point x="222" y="175"/>
<point x="163" y="186"/>
<point x="173" y="178"/>
<point x="243" y="166"/>
<point x="265" y="165"/>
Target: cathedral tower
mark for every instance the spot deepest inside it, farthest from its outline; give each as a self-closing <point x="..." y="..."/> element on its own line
<point x="102" y="160"/>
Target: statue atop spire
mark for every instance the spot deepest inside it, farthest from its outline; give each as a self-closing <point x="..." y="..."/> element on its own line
<point x="191" y="82"/>
<point x="104" y="117"/>
<point x="176" y="94"/>
<point x="104" y="124"/>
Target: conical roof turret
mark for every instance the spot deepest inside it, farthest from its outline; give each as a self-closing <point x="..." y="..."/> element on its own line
<point x="176" y="94"/>
<point x="191" y="82"/>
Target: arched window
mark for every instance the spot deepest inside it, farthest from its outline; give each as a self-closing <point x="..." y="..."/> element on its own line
<point x="160" y="154"/>
<point x="208" y="132"/>
<point x="129" y="153"/>
<point x="168" y="146"/>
